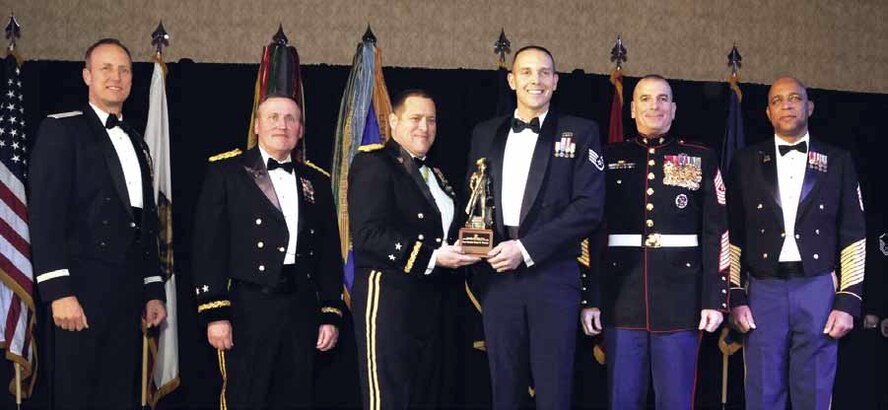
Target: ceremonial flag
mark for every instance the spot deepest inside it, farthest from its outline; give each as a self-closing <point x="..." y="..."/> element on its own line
<point x="165" y="349"/>
<point x="16" y="274"/>
<point x="363" y="120"/>
<point x="615" y="129"/>
<point x="729" y="340"/>
<point x="279" y="73"/>
<point x="734" y="136"/>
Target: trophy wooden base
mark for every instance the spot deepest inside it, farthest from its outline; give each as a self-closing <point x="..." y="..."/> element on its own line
<point x="476" y="242"/>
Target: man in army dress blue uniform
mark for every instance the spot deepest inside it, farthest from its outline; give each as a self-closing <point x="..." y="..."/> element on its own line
<point x="267" y="269"/>
<point x="401" y="213"/>
<point x="798" y="249"/>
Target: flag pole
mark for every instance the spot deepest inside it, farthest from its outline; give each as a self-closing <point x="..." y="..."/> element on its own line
<point x="13" y="31"/>
<point x="144" y="368"/>
<point x="734" y="62"/>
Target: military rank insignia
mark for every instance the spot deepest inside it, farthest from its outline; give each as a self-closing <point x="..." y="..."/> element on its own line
<point x="860" y="197"/>
<point x="308" y="190"/>
<point x="883" y="243"/>
<point x="817" y="161"/>
<point x="566" y="147"/>
<point x="596" y="159"/>
<point x="683" y="171"/>
<point x="621" y="164"/>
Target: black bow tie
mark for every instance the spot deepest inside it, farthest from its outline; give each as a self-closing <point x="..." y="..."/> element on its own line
<point x="518" y="125"/>
<point x="419" y="162"/>
<point x="112" y="121"/>
<point x="800" y="147"/>
<point x="273" y="165"/>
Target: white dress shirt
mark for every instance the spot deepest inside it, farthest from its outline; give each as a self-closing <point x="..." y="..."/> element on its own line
<point x="516" y="167"/>
<point x="126" y="154"/>
<point x="288" y="196"/>
<point x="790" y="176"/>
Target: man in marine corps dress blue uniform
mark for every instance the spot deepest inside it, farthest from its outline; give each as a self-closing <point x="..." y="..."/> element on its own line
<point x="664" y="274"/>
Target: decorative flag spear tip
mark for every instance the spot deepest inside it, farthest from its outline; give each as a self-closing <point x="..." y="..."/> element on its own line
<point x="13" y="30"/>
<point x="160" y="38"/>
<point x="502" y="46"/>
<point x="735" y="60"/>
<point x="368" y="36"/>
<point x="279" y="37"/>
<point x="618" y="52"/>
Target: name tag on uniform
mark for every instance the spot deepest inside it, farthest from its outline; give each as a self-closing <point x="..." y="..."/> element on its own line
<point x="621" y="164"/>
<point x="683" y="171"/>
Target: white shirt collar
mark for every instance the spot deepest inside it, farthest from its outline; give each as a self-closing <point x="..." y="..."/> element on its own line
<point x="266" y="156"/>
<point x="542" y="117"/>
<point x="103" y="116"/>
<point x="780" y="141"/>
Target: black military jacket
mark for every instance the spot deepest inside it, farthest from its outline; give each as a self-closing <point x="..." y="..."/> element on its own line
<point x="240" y="233"/>
<point x="394" y="221"/>
<point x="830" y="229"/>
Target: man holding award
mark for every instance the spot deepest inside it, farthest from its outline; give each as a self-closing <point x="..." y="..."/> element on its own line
<point x="400" y="214"/>
<point x="547" y="182"/>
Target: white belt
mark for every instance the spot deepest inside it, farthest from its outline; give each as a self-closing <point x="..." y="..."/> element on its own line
<point x="654" y="240"/>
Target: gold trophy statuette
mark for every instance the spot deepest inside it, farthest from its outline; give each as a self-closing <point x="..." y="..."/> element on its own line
<point x="476" y="238"/>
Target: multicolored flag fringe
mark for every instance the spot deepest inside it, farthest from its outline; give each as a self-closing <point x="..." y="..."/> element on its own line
<point x="279" y="73"/>
<point x="164" y="350"/>
<point x="363" y="120"/>
<point x="16" y="274"/>
<point x="615" y="128"/>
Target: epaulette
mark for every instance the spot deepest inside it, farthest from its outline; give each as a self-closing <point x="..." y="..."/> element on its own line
<point x="65" y="114"/>
<point x="225" y="155"/>
<point x="370" y="147"/>
<point x="317" y="168"/>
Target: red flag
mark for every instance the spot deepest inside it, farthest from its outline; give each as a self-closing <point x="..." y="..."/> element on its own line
<point x="615" y="132"/>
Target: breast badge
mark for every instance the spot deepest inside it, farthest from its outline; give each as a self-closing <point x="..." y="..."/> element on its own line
<point x="683" y="171"/>
<point x="681" y="201"/>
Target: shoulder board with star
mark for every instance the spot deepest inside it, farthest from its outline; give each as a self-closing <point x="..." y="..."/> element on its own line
<point x="317" y="168"/>
<point x="370" y="147"/>
<point x="68" y="114"/>
<point x="225" y="155"/>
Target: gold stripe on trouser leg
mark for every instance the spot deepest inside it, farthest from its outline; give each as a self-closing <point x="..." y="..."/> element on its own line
<point x="223" y="404"/>
<point x="370" y="326"/>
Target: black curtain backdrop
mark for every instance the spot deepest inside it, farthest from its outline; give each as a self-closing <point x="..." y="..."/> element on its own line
<point x="210" y="105"/>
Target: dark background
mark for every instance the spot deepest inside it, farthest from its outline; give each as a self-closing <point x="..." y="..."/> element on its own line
<point x="210" y="105"/>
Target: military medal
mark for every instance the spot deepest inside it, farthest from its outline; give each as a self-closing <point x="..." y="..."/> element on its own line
<point x="445" y="185"/>
<point x="817" y="161"/>
<point x="565" y="147"/>
<point x="308" y="190"/>
<point x="683" y="171"/>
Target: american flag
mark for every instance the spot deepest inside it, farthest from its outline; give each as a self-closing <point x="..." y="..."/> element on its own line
<point x="16" y="302"/>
